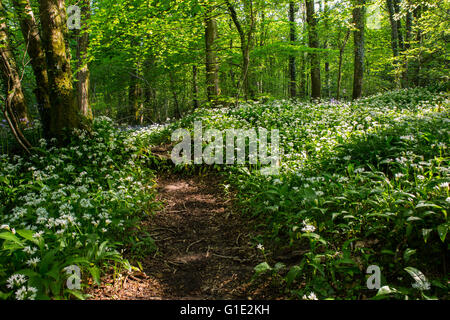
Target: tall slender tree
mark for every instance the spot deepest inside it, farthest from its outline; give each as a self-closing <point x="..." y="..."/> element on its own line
<point x="341" y="57"/>
<point x="313" y="37"/>
<point x="293" y="39"/>
<point x="394" y="27"/>
<point x="212" y="66"/>
<point x="326" y="46"/>
<point x="246" y="38"/>
<point x="195" y="86"/>
<point x="408" y="36"/>
<point x="83" y="76"/>
<point x="359" y="50"/>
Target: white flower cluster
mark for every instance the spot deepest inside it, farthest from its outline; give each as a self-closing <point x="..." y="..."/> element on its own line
<point x="65" y="200"/>
<point x="308" y="227"/>
<point x="310" y="296"/>
<point x="17" y="282"/>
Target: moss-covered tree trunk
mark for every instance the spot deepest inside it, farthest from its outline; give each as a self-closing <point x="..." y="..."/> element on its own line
<point x="30" y="32"/>
<point x="10" y="73"/>
<point x="64" y="114"/>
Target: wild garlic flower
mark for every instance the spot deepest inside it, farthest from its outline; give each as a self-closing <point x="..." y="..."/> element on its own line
<point x="33" y="262"/>
<point x="311" y="296"/>
<point x="308" y="227"/>
<point x="38" y="235"/>
<point x="30" y="250"/>
<point x="15" y="280"/>
<point x="28" y="293"/>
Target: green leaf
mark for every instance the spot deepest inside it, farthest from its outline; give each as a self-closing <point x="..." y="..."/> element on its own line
<point x="418" y="276"/>
<point x="293" y="274"/>
<point x="426" y="234"/>
<point x="386" y="290"/>
<point x="27" y="234"/>
<point x="49" y="258"/>
<point x="442" y="231"/>
<point x="10" y="237"/>
<point x="427" y="297"/>
<point x="76" y="294"/>
<point x="408" y="253"/>
<point x="314" y="236"/>
<point x="95" y="273"/>
<point x="4" y="296"/>
<point x="427" y="205"/>
<point x="262" y="267"/>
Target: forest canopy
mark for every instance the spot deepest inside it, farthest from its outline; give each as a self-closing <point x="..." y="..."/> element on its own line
<point x="146" y="61"/>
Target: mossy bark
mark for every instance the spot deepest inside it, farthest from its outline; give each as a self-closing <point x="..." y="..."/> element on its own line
<point x="10" y="73"/>
<point x="35" y="50"/>
<point x="64" y="115"/>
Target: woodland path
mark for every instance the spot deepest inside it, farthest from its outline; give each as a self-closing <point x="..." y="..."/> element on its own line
<point x="205" y="251"/>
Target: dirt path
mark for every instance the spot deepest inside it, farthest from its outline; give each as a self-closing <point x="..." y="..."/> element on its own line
<point x="204" y="250"/>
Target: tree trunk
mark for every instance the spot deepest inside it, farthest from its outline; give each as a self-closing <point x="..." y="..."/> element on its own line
<point x="394" y="27"/>
<point x="304" y="59"/>
<point x="195" y="86"/>
<point x="30" y="32"/>
<point x="401" y="43"/>
<point x="313" y="37"/>
<point x="419" y="39"/>
<point x="409" y="21"/>
<point x="246" y="40"/>
<point x="212" y="67"/>
<point x="134" y="99"/>
<point x="64" y="114"/>
<point x="327" y="63"/>
<point x="246" y="67"/>
<point x="341" y="56"/>
<point x="10" y="73"/>
<point x="175" y="96"/>
<point x="293" y="39"/>
<point x="83" y="76"/>
<point x="358" y="36"/>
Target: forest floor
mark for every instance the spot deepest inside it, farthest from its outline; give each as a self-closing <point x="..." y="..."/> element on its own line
<point x="205" y="251"/>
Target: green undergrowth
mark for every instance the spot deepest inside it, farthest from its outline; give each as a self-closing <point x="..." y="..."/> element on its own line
<point x="71" y="209"/>
<point x="360" y="184"/>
